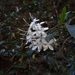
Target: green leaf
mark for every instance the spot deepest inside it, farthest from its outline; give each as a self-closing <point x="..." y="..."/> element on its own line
<point x="71" y="30"/>
<point x="62" y="15"/>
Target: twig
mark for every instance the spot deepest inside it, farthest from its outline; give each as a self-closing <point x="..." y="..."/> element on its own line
<point x="31" y="16"/>
<point x="21" y="30"/>
<point x="25" y="21"/>
<point x="55" y="8"/>
<point x="65" y="41"/>
<point x="17" y="72"/>
<point x="8" y="70"/>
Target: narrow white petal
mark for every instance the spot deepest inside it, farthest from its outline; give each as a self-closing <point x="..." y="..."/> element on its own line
<point x="51" y="41"/>
<point x="44" y="34"/>
<point x="45" y="47"/>
<point x="44" y="41"/>
<point x="33" y="33"/>
<point x="34" y="47"/>
<point x="54" y="39"/>
<point x="35" y="20"/>
<point x="39" y="49"/>
<point x="33" y="43"/>
<point x="31" y="25"/>
<point x="46" y="28"/>
<point x="29" y="40"/>
<point x="28" y="37"/>
<point x="42" y="22"/>
<point x="51" y="48"/>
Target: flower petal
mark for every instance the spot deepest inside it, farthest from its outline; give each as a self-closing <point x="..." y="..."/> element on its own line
<point x="51" y="48"/>
<point x="39" y="48"/>
<point x="45" y="47"/>
<point x="34" y="47"/>
<point x="46" y="28"/>
<point x="44" y="41"/>
<point x="51" y="41"/>
<point x="42" y="23"/>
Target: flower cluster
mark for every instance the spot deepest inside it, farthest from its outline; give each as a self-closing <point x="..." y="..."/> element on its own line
<point x="36" y="37"/>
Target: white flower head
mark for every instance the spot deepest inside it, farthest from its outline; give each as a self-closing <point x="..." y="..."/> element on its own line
<point x="37" y="45"/>
<point x="47" y="45"/>
<point x="36" y="37"/>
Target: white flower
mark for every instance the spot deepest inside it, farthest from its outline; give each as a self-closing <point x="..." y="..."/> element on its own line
<point x="37" y="44"/>
<point x="40" y="44"/>
<point x="47" y="45"/>
<point x="36" y="37"/>
<point x="38" y="33"/>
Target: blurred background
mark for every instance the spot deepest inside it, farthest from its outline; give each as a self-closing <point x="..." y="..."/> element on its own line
<point x="15" y="59"/>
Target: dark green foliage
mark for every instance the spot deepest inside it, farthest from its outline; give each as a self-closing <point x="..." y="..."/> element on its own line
<point x="71" y="28"/>
<point x="62" y="15"/>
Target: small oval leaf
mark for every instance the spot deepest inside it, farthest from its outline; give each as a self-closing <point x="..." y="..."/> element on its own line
<point x="71" y="30"/>
<point x="62" y="15"/>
